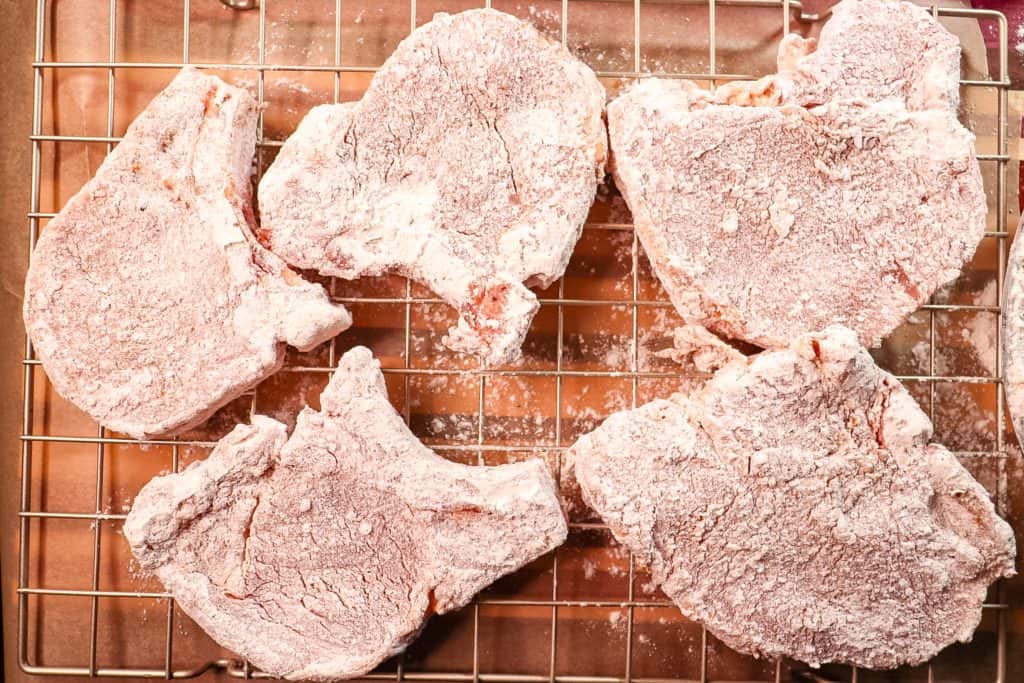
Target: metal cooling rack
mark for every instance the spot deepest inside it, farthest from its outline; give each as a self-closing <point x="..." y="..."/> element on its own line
<point x="790" y="11"/>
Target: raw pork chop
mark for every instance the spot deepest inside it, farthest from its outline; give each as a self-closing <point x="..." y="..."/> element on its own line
<point x="873" y="50"/>
<point x="1013" y="334"/>
<point x="795" y="507"/>
<point x="469" y="165"/>
<point x="320" y="555"/>
<point x="148" y="300"/>
<point x="842" y="190"/>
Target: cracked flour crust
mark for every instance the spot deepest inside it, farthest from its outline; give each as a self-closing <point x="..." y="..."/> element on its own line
<point x="795" y="507"/>
<point x="841" y="190"/>
<point x="148" y="300"/>
<point x="320" y="555"/>
<point x="469" y="165"/>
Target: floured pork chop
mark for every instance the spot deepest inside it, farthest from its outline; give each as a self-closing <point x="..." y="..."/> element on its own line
<point x="320" y="555"/>
<point x="795" y="507"/>
<point x="872" y="50"/>
<point x="1013" y="335"/>
<point x="148" y="300"/>
<point x="469" y="165"/>
<point x="841" y="190"/>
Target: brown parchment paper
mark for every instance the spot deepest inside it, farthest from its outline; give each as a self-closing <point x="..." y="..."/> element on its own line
<point x="519" y="410"/>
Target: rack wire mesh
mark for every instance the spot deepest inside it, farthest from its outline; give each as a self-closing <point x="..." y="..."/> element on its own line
<point x="632" y="619"/>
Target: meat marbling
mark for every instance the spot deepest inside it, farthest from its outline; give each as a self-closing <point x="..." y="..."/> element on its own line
<point x="148" y="299"/>
<point x="469" y="165"/>
<point x="841" y="190"/>
<point x="795" y="507"/>
<point x="320" y="555"/>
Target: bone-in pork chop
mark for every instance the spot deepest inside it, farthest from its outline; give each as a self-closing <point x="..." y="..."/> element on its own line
<point x="795" y="507"/>
<point x="320" y="555"/>
<point x="873" y="50"/>
<point x="148" y="299"/>
<point x="842" y="190"/>
<point x="469" y="165"/>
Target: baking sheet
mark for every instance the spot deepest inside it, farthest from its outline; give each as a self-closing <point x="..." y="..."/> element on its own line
<point x="522" y="415"/>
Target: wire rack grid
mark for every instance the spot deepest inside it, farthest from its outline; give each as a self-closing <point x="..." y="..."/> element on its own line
<point x="479" y="447"/>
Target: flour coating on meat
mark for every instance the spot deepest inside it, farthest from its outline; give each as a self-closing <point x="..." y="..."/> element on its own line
<point x="795" y="507"/>
<point x="874" y="50"/>
<point x="148" y="300"/>
<point x="841" y="190"/>
<point x="320" y="555"/>
<point x="469" y="165"/>
<point x="693" y="345"/>
<point x="1013" y="335"/>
